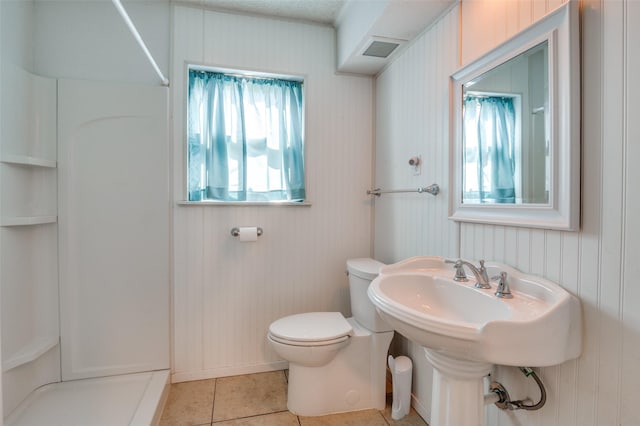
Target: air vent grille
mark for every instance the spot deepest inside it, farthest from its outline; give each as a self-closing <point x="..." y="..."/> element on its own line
<point x="380" y="49"/>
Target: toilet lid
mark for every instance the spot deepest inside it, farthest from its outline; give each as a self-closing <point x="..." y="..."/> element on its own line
<point x="311" y="327"/>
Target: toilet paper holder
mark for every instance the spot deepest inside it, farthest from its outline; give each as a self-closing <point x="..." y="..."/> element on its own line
<point x="236" y="231"/>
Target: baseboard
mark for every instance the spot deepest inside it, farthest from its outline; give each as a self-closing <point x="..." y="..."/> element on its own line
<point x="186" y="376"/>
<point x="420" y="409"/>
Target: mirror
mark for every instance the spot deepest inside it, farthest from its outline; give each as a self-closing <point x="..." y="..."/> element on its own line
<point x="515" y="146"/>
<point x="505" y="138"/>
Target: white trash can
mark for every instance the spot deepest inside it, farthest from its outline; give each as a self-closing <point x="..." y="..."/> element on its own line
<point x="401" y="384"/>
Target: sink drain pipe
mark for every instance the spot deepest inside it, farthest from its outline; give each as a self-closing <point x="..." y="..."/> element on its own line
<point x="500" y="397"/>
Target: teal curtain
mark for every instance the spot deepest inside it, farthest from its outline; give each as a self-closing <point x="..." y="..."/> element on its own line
<point x="245" y="138"/>
<point x="490" y="147"/>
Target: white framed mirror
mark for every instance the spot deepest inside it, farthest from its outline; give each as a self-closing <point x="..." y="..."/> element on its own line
<point x="515" y="136"/>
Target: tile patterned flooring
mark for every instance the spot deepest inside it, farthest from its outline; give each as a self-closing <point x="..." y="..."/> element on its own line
<point x="257" y="400"/>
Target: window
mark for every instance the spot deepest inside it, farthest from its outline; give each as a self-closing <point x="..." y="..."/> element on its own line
<point x="245" y="138"/>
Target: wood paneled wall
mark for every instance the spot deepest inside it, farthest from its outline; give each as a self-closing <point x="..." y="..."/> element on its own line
<point x="412" y="110"/>
<point x="600" y="263"/>
<point x="226" y="293"/>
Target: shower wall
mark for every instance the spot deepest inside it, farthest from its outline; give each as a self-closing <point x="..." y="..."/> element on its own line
<point x="113" y="213"/>
<point x="95" y="45"/>
<point x="28" y="223"/>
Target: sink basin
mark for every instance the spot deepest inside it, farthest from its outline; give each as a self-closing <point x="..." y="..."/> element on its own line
<point x="540" y="326"/>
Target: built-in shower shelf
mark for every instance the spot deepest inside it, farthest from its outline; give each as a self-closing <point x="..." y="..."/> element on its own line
<point x="25" y="160"/>
<point x="38" y="347"/>
<point x="27" y="220"/>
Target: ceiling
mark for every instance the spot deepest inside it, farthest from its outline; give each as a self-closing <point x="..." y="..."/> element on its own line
<point x="359" y="24"/>
<point x="321" y="11"/>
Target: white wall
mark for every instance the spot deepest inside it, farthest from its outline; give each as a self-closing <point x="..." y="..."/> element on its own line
<point x="599" y="263"/>
<point x="227" y="293"/>
<point x="412" y="108"/>
<point x="88" y="40"/>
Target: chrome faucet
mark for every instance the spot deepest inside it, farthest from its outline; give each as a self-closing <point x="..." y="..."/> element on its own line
<point x="480" y="274"/>
<point x="503" y="290"/>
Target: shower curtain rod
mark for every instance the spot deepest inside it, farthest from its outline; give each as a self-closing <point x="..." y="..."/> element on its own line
<point x="136" y="35"/>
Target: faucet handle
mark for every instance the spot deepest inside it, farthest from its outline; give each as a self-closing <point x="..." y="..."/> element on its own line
<point x="483" y="273"/>
<point x="483" y="270"/>
<point x="503" y="290"/>
<point x="460" y="275"/>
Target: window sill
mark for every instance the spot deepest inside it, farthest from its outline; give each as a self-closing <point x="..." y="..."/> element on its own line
<point x="244" y="203"/>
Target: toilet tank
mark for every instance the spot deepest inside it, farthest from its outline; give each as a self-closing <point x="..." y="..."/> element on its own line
<point x="361" y="273"/>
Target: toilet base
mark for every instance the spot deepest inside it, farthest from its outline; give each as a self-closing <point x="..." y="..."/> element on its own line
<point x="354" y="380"/>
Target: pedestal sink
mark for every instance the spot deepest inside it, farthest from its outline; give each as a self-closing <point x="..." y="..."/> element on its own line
<point x="465" y="330"/>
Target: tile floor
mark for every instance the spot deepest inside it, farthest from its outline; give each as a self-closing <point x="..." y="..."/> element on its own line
<point x="257" y="400"/>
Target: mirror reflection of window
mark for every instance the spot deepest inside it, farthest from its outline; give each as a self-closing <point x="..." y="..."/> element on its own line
<point x="491" y="149"/>
<point x="505" y="132"/>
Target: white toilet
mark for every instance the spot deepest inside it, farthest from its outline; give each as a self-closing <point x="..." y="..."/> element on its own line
<point x="336" y="364"/>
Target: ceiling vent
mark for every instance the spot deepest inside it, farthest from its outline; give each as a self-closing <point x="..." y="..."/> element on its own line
<point x="379" y="47"/>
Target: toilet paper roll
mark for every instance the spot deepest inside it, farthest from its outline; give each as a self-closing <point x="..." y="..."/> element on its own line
<point x="248" y="234"/>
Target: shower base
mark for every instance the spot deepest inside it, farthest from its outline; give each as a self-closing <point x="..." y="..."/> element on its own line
<point x="130" y="399"/>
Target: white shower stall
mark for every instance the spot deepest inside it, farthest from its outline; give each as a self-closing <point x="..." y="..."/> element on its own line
<point x="85" y="289"/>
<point x="84" y="243"/>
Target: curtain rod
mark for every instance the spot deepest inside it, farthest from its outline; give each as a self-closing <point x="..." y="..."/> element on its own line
<point x="247" y="75"/>
<point x="136" y="35"/>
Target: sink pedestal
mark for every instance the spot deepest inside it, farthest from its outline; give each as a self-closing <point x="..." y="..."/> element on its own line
<point x="458" y="390"/>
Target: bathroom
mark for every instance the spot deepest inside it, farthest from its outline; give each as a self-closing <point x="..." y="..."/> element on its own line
<point x="219" y="296"/>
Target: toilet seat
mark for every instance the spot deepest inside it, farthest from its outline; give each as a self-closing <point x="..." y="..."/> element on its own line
<point x="313" y="343"/>
<point x="311" y="329"/>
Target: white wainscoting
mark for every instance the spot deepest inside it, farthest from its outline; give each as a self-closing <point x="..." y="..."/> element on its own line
<point x="599" y="263"/>
<point x="226" y="293"/>
<point x="412" y="109"/>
